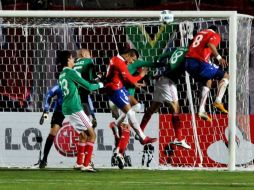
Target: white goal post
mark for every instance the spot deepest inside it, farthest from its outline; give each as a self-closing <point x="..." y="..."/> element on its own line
<point x="230" y="15"/>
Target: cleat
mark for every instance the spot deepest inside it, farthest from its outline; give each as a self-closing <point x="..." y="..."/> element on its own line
<point x="148" y="140"/>
<point x="220" y="107"/>
<point x="42" y="164"/>
<point x="204" y="116"/>
<point x="77" y="166"/>
<point x="181" y="143"/>
<point x="88" y="168"/>
<point x="121" y="161"/>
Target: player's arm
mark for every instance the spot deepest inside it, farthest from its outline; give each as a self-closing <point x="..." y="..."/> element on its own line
<point x="50" y="94"/>
<point x="222" y="61"/>
<point x="83" y="83"/>
<point x="128" y="77"/>
<point x="138" y="64"/>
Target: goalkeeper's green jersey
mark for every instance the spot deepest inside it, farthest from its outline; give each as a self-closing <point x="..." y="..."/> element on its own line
<point x="68" y="80"/>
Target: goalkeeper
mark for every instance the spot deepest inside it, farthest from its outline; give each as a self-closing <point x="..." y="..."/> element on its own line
<point x="56" y="121"/>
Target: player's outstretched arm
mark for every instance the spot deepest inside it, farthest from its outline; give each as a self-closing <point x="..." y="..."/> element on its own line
<point x="85" y="84"/>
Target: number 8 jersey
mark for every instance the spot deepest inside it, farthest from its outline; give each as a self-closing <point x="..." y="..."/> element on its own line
<point x="199" y="49"/>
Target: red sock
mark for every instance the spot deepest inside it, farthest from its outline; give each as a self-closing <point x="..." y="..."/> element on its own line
<point x="124" y="140"/>
<point x="80" y="155"/>
<point x="144" y="121"/>
<point x="177" y="126"/>
<point x="88" y="153"/>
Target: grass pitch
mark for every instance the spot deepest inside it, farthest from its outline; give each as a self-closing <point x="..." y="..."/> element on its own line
<point x="114" y="179"/>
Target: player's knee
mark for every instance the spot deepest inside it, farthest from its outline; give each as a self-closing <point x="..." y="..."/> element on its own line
<point x="136" y="107"/>
<point x="130" y="114"/>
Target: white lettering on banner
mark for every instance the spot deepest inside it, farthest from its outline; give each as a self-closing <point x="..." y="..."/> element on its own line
<point x="19" y="146"/>
<point x="244" y="149"/>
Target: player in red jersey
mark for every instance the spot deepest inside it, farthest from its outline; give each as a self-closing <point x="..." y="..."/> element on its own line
<point x="198" y="66"/>
<point x="117" y="76"/>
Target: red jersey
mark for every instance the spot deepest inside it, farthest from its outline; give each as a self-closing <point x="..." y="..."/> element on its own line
<point x="199" y="49"/>
<point x="118" y="74"/>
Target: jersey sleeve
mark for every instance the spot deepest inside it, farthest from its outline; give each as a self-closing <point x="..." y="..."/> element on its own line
<point x="140" y="63"/>
<point x="215" y="39"/>
<point x="82" y="82"/>
<point x="50" y="94"/>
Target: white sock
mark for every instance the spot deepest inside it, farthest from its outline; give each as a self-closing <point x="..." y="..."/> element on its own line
<point x="134" y="124"/>
<point x="204" y="95"/>
<point x="136" y="107"/>
<point x="221" y="89"/>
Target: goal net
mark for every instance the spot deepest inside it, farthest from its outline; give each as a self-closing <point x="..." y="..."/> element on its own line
<point x="28" y="49"/>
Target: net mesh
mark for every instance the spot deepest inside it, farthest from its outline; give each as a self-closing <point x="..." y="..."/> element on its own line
<point x="28" y="70"/>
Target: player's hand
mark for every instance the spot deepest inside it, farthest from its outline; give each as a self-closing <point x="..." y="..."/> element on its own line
<point x="139" y="85"/>
<point x="144" y="72"/>
<point x="223" y="63"/>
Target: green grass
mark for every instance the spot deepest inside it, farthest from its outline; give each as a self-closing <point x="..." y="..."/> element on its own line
<point x="108" y="179"/>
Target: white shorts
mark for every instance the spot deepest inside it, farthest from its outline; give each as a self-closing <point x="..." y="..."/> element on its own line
<point x="79" y="121"/>
<point x="165" y="90"/>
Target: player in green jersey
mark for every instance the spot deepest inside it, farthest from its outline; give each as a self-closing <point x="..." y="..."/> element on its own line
<point x="72" y="107"/>
<point x="85" y="67"/>
<point x="166" y="91"/>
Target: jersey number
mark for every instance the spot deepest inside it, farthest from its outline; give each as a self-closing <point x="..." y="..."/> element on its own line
<point x="197" y="40"/>
<point x="64" y="85"/>
<point x="175" y="56"/>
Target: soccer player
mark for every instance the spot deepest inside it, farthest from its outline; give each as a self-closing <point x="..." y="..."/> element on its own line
<point x="85" y="67"/>
<point x="198" y="66"/>
<point x="117" y="76"/>
<point x="56" y="121"/>
<point x="72" y="107"/>
<point x="121" y="125"/>
<point x="166" y="91"/>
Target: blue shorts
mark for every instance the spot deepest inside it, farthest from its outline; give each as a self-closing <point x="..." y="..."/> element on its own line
<point x="120" y="97"/>
<point x="203" y="70"/>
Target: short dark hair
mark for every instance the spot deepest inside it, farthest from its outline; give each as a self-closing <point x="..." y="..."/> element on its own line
<point x="62" y="57"/>
<point x="132" y="52"/>
<point x="214" y="28"/>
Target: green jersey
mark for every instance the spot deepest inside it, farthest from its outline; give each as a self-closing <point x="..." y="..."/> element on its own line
<point x="68" y="80"/>
<point x="173" y="60"/>
<point x="85" y="67"/>
<point x="133" y="68"/>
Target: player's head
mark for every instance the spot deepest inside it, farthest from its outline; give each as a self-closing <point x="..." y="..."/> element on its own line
<point x="83" y="53"/>
<point x="131" y="55"/>
<point x="214" y="28"/>
<point x="65" y="58"/>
